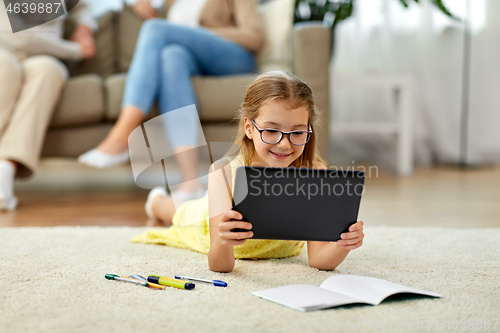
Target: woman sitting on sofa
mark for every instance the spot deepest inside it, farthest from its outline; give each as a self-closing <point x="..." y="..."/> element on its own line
<point x="199" y="37"/>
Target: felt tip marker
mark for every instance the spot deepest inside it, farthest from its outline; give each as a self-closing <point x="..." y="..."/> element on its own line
<point x="217" y="283"/>
<point x="165" y="281"/>
<point x="131" y="280"/>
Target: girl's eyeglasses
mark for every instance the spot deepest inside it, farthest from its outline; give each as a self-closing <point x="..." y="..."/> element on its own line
<point x="273" y="136"/>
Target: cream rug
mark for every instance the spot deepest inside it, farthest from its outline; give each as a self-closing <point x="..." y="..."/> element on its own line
<point x="52" y="280"/>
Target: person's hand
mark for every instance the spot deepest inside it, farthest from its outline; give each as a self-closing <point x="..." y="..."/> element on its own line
<point x="226" y="223"/>
<point x="354" y="238"/>
<point x="88" y="49"/>
<point x="144" y="9"/>
<point x="84" y="36"/>
<point x="82" y="32"/>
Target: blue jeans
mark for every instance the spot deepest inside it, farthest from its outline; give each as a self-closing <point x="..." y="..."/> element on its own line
<point x="167" y="55"/>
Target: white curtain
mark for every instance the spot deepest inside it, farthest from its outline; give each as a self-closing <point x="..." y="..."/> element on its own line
<point x="384" y="38"/>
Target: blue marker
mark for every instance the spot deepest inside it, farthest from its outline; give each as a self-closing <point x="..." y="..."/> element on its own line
<point x="217" y="283"/>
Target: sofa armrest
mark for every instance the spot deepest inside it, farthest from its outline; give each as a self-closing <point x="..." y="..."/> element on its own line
<point x="311" y="58"/>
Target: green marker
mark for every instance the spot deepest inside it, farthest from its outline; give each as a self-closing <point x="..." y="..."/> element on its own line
<point x="165" y="281"/>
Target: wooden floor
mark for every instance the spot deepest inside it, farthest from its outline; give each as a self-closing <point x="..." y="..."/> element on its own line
<point x="63" y="194"/>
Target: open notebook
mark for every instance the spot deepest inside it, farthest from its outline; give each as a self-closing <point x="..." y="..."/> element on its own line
<point x="336" y="291"/>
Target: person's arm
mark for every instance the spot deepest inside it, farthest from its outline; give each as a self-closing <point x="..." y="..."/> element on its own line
<point x="82" y="44"/>
<point x="248" y="31"/>
<point x="222" y="240"/>
<point x="43" y="43"/>
<point x="328" y="255"/>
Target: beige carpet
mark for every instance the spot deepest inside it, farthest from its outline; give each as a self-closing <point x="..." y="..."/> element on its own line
<point x="52" y="280"/>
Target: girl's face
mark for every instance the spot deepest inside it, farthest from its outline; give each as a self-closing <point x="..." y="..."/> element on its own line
<point x="277" y="115"/>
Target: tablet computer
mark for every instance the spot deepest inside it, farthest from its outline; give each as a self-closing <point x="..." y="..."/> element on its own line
<point x="298" y="203"/>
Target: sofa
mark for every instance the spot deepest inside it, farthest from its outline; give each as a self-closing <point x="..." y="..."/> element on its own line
<point x="91" y="99"/>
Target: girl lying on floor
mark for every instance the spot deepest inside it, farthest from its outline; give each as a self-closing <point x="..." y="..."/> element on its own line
<point x="275" y="101"/>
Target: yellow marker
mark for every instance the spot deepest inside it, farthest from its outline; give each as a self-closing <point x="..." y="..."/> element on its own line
<point x="165" y="281"/>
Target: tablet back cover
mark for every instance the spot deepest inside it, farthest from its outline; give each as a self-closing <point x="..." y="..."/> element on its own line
<point x="298" y="203"/>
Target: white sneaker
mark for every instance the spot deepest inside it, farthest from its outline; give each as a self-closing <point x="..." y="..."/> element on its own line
<point x="98" y="159"/>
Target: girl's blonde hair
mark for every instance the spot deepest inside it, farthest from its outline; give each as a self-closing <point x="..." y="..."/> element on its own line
<point x="285" y="87"/>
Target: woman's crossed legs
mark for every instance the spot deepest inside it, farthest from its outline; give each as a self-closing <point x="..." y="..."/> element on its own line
<point x="166" y="57"/>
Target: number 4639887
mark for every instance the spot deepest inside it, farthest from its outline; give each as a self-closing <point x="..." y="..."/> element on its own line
<point x="40" y="8"/>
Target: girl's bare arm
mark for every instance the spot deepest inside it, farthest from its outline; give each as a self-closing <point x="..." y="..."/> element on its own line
<point x="328" y="255"/>
<point x="222" y="219"/>
<point x="325" y="255"/>
<point x="220" y="256"/>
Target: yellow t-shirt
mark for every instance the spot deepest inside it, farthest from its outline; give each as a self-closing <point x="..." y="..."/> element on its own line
<point x="190" y="230"/>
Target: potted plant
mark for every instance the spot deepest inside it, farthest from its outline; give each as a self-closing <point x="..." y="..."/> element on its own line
<point x="331" y="12"/>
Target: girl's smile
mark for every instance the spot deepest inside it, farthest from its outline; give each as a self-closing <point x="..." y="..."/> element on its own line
<point x="280" y="156"/>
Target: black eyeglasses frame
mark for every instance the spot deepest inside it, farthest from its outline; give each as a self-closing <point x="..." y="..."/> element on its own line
<point x="283" y="134"/>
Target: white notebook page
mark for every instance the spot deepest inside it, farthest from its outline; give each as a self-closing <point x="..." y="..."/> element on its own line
<point x="305" y="297"/>
<point x="370" y="290"/>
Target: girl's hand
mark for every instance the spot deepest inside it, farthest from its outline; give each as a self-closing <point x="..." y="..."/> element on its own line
<point x="228" y="237"/>
<point x="354" y="238"/>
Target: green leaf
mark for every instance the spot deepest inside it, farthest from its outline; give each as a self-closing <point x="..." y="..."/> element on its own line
<point x="439" y="4"/>
<point x="344" y="11"/>
<point x="403" y="2"/>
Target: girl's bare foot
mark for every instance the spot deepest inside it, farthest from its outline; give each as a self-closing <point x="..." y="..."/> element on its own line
<point x="163" y="210"/>
<point x="158" y="208"/>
